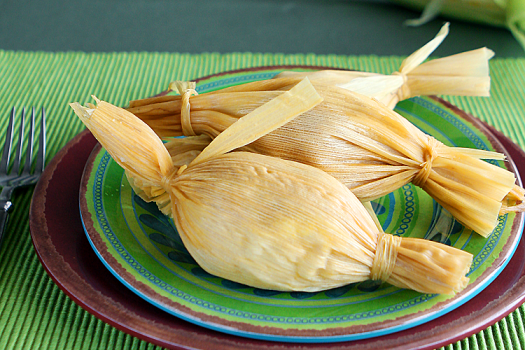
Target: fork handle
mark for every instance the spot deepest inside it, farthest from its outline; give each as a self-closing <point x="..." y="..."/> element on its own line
<point x="5" y="208"/>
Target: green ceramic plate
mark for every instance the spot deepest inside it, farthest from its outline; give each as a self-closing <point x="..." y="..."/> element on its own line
<point x="141" y="247"/>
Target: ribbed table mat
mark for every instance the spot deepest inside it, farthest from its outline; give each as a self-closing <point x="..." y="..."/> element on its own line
<point x="34" y="312"/>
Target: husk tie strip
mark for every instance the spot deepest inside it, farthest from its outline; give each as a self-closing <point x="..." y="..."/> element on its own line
<point x="403" y="92"/>
<point x="426" y="167"/>
<point x="186" y="90"/>
<point x="385" y="257"/>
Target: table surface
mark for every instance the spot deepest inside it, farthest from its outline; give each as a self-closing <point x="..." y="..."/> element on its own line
<point x="342" y="27"/>
<point x="55" y="52"/>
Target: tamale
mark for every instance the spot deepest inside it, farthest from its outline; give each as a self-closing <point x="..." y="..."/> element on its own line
<point x="367" y="146"/>
<point x="267" y="222"/>
<point x="463" y="74"/>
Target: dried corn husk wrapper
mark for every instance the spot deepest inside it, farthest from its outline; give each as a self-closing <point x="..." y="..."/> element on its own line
<point x="364" y="144"/>
<point x="267" y="222"/>
<point x="464" y="74"/>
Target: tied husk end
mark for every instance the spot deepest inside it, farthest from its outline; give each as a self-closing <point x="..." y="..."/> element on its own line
<point x="462" y="74"/>
<point x="421" y="265"/>
<point x="430" y="267"/>
<point x="146" y="161"/>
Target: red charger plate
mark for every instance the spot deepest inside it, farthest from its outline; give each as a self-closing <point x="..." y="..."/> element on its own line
<point x="63" y="249"/>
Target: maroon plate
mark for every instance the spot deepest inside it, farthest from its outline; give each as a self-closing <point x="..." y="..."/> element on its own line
<point x="63" y="249"/>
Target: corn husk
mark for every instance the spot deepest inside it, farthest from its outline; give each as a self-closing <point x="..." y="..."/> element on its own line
<point x="464" y="74"/>
<point x="480" y="11"/>
<point x="264" y="221"/>
<point x="499" y="13"/>
<point x="367" y="146"/>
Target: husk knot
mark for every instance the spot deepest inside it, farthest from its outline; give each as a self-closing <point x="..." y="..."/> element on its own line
<point x="186" y="90"/>
<point x="404" y="91"/>
<point x="430" y="154"/>
<point x="385" y="257"/>
<point x="165" y="181"/>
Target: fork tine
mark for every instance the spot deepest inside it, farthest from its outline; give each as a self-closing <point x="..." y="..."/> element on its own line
<point x="6" y="154"/>
<point x="41" y="156"/>
<point x="29" y="153"/>
<point x="18" y="151"/>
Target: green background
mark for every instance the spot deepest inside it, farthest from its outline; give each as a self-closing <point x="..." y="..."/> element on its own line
<point x="345" y="27"/>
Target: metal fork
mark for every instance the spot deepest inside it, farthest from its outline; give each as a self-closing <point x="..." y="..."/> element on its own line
<point x="20" y="173"/>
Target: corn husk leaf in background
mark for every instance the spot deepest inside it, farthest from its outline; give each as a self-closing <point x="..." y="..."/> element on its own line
<point x="499" y="13"/>
<point x="463" y="74"/>
<point x="267" y="222"/>
<point x="364" y="144"/>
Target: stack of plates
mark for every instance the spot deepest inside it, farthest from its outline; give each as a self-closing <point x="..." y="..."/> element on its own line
<point x="123" y="261"/>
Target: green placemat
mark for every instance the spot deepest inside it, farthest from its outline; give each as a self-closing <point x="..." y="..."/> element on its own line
<point x="34" y="313"/>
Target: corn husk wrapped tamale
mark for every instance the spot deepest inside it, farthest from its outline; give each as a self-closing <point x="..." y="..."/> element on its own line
<point x="367" y="146"/>
<point x="264" y="221"/>
<point x="463" y="74"/>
